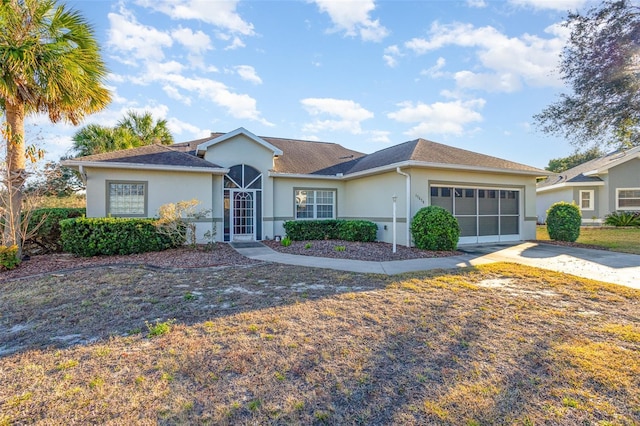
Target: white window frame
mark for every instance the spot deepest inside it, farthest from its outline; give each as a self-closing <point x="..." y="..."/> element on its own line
<point x="591" y="193"/>
<point x="131" y="213"/>
<point x="618" y="207"/>
<point x="314" y="204"/>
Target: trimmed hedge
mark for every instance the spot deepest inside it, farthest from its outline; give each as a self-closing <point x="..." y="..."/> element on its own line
<point x="435" y="228"/>
<point x="331" y="229"/>
<point x="47" y="235"/>
<point x="109" y="236"/>
<point x="563" y="221"/>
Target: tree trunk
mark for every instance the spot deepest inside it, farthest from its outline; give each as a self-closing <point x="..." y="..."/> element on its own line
<point x="16" y="176"/>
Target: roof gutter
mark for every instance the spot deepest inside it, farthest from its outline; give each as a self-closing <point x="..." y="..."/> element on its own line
<point x="139" y="166"/>
<point x="408" y="197"/>
<point x="83" y="174"/>
<point x="568" y="185"/>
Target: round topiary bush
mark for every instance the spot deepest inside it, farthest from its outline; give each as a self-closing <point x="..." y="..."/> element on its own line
<point x="563" y="221"/>
<point x="434" y="228"/>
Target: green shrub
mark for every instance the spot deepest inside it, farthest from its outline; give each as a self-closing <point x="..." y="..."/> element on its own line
<point x="9" y="257"/>
<point x="286" y="242"/>
<point x="110" y="236"/>
<point x="434" y="228"/>
<point x="44" y="229"/>
<point x="331" y="229"/>
<point x="301" y="230"/>
<point x="563" y="221"/>
<point x="622" y="219"/>
<point x="357" y="230"/>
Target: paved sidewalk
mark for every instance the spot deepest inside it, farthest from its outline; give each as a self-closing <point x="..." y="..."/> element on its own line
<point x="601" y="265"/>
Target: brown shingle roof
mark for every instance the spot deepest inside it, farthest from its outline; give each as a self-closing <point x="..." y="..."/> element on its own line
<point x="151" y="155"/>
<point x="421" y="150"/>
<point x="306" y="157"/>
<point x="319" y="158"/>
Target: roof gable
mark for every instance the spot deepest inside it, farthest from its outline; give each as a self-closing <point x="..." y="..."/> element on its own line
<point x="588" y="173"/>
<point x="202" y="148"/>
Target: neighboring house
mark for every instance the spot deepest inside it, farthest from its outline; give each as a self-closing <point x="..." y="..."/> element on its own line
<point x="253" y="184"/>
<point x="601" y="186"/>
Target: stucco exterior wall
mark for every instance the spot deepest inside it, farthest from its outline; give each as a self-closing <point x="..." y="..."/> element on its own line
<point x="545" y="199"/>
<point x="625" y="175"/>
<point x="371" y="198"/>
<point x="162" y="187"/>
<point x="282" y="198"/>
<point x="240" y="150"/>
<point x="588" y="216"/>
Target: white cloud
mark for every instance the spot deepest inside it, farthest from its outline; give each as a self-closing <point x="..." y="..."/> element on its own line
<point x="236" y="43"/>
<point x="443" y="118"/>
<point x="178" y="127"/>
<point x="505" y="82"/>
<point x="221" y="13"/>
<point x="380" y="136"/>
<point x="477" y="3"/>
<point x="559" y="5"/>
<point x="349" y="115"/>
<point x="238" y="105"/>
<point x="436" y="70"/>
<point x="391" y="53"/>
<point x="508" y="61"/>
<point x="353" y="18"/>
<point x="137" y="41"/>
<point x="174" y="93"/>
<point x="195" y="42"/>
<point x="248" y="73"/>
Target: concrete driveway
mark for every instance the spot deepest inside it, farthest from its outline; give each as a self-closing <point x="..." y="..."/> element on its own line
<point x="601" y="265"/>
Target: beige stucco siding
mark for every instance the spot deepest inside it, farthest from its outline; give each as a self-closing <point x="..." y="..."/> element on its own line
<point x="371" y="198"/>
<point x="240" y="150"/>
<point x="283" y="199"/>
<point x="162" y="187"/>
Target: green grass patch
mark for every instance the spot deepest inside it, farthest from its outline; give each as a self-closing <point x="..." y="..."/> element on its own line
<point x="625" y="240"/>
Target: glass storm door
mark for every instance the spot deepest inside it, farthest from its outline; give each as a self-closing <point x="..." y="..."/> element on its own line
<point x="242" y="201"/>
<point x="243" y="215"/>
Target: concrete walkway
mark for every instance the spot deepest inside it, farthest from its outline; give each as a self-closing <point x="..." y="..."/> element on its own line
<point x="601" y="265"/>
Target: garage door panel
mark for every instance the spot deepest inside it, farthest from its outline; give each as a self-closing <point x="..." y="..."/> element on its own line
<point x="489" y="225"/>
<point x="509" y="202"/>
<point x="468" y="226"/>
<point x="484" y="215"/>
<point x="509" y="225"/>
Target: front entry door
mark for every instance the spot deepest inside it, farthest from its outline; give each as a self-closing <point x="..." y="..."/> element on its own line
<point x="243" y="215"/>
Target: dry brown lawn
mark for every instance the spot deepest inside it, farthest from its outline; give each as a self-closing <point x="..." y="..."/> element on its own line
<point x="274" y="344"/>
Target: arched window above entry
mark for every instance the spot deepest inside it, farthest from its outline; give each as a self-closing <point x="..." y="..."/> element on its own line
<point x="243" y="176"/>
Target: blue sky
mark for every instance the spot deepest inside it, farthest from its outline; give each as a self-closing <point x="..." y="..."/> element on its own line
<point x="366" y="74"/>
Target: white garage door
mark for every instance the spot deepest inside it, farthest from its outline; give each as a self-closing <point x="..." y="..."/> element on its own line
<point x="484" y="215"/>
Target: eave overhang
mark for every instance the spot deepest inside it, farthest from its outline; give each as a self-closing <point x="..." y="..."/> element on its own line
<point x="568" y="185"/>
<point x="409" y="164"/>
<point x="138" y="166"/>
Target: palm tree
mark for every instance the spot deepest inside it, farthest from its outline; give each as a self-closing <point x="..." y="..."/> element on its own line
<point x="97" y="139"/>
<point x="145" y="130"/>
<point x="49" y="63"/>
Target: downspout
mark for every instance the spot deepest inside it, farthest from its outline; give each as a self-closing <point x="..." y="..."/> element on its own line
<point x="408" y="196"/>
<point x="83" y="175"/>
